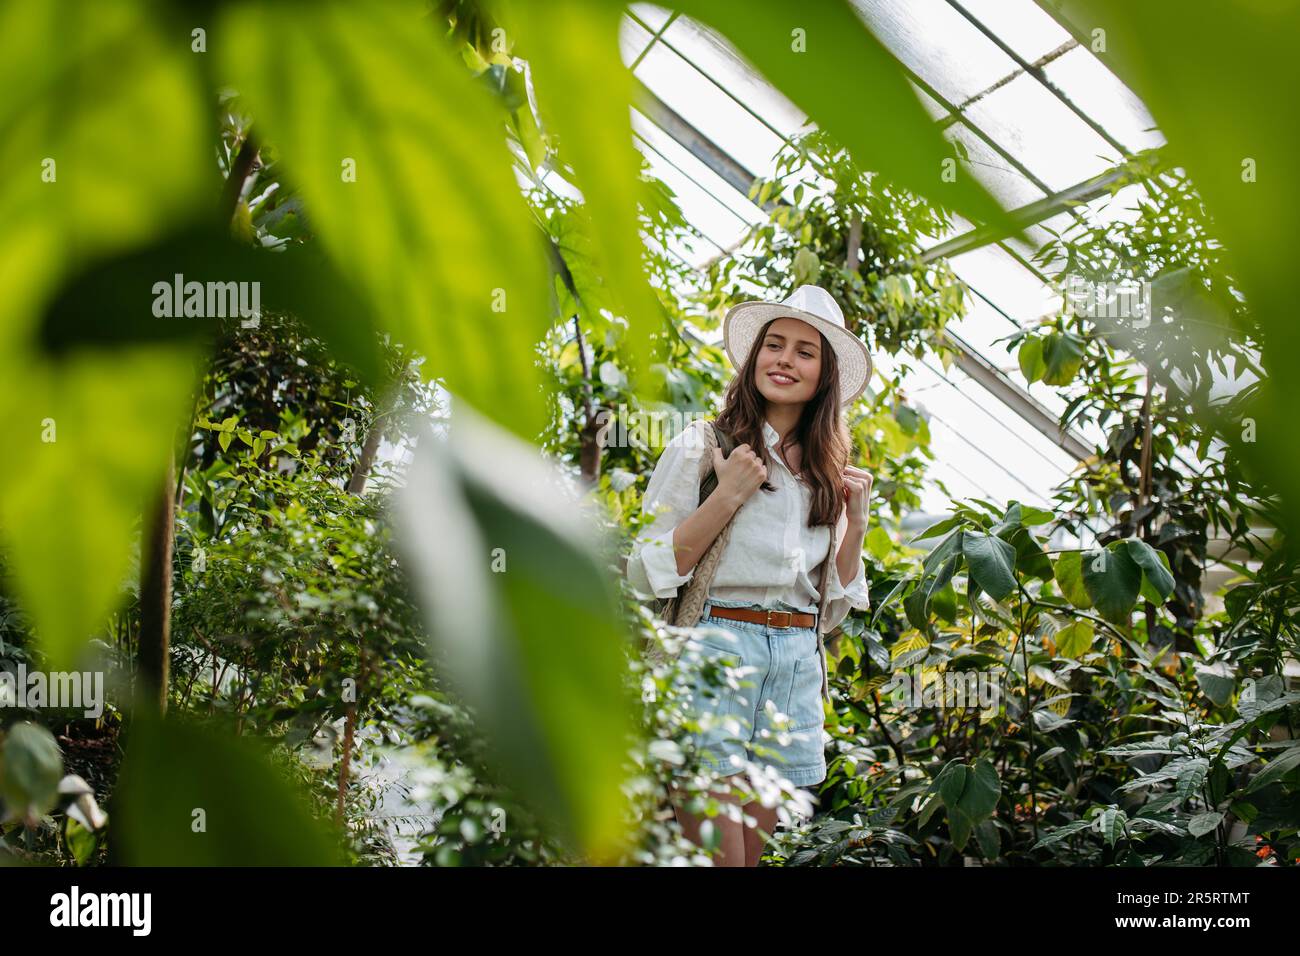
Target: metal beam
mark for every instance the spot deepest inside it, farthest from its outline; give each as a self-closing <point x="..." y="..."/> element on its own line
<point x="1017" y="399"/>
<point x="696" y="143"/>
<point x="1035" y="212"/>
<point x="1038" y="72"/>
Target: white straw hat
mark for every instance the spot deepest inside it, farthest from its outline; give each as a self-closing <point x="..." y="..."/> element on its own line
<point x="817" y="307"/>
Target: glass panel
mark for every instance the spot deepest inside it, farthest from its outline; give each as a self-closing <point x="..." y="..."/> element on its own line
<point x="1042" y="133"/>
<point x="964" y="449"/>
<point x="964" y="429"/>
<point x="981" y="327"/>
<point x="1030" y="444"/>
<point x="1007" y="184"/>
<point x="690" y="251"/>
<point x="936" y="43"/>
<point x="937" y="503"/>
<point x="632" y="38"/>
<point x="560" y="186"/>
<point x="722" y="191"/>
<point x="983" y="411"/>
<point x="690" y="93"/>
<point x="1008" y="285"/>
<point x="715" y="221"/>
<point x="654" y="17"/>
<point x="715" y="57"/>
<point x="1020" y="24"/>
<point x="1105" y="98"/>
<point x="984" y="324"/>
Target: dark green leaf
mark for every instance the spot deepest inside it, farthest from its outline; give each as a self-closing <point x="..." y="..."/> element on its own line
<point x="1112" y="579"/>
<point x="991" y="562"/>
<point x="189" y="796"/>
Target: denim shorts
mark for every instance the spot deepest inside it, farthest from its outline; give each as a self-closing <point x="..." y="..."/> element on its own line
<point x="781" y="665"/>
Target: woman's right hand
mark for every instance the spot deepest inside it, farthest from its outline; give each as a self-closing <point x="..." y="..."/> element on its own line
<point x="740" y="474"/>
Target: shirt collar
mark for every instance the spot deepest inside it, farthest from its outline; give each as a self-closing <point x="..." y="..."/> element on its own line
<point x="770" y="435"/>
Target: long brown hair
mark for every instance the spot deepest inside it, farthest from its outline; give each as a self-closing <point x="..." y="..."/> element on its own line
<point x="820" y="431"/>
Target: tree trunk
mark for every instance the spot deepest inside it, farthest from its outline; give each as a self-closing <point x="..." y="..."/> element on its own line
<point x="357" y="483"/>
<point x="855" y="240"/>
<point x="590" y="451"/>
<point x="156" y="597"/>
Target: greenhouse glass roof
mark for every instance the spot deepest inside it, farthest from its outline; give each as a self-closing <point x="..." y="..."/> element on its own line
<point x="1043" y="121"/>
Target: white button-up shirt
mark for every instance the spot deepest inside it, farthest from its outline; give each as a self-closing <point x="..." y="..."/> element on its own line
<point x="772" y="554"/>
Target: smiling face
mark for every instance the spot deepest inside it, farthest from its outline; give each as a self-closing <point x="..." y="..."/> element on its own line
<point x="789" y="361"/>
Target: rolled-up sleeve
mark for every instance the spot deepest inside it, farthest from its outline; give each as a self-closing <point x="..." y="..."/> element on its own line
<point x="842" y="597"/>
<point x="671" y="496"/>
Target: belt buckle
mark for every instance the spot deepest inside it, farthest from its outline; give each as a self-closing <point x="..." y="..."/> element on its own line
<point x="789" y="616"/>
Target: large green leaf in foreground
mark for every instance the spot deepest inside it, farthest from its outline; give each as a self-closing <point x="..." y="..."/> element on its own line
<point x="524" y="621"/>
<point x="103" y="133"/>
<point x="401" y="159"/>
<point x="191" y="796"/>
<point x="584" y="90"/>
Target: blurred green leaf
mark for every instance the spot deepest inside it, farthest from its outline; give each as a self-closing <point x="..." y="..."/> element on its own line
<point x="31" y="765"/>
<point x="106" y="142"/>
<point x="567" y="43"/>
<point x="522" y="610"/>
<point x="401" y="158"/>
<point x="191" y="796"/>
<point x="879" y="543"/>
<point x="81" y="842"/>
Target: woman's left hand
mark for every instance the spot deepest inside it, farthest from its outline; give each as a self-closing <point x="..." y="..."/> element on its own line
<point x="857" y="495"/>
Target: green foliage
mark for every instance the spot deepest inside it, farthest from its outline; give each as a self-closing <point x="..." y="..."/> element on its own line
<point x="363" y="108"/>
<point x="1194" y="105"/>
<point x="901" y="304"/>
<point x="175" y="805"/>
<point x="1134" y="724"/>
<point x="92" y="427"/>
<point x="568" y="42"/>
<point x="557" y="713"/>
<point x="29" y="771"/>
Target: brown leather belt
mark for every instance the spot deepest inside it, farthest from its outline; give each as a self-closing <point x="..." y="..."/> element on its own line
<point x="768" y="617"/>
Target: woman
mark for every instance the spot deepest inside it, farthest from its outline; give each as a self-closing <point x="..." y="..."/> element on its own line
<point x="784" y="486"/>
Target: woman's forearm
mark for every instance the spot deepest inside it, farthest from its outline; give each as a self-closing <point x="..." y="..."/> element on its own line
<point x="693" y="536"/>
<point x="849" y="560"/>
